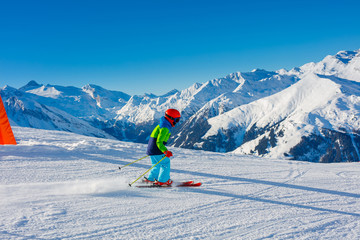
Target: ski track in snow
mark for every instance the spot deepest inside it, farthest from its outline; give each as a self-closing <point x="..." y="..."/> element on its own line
<point x="57" y="185"/>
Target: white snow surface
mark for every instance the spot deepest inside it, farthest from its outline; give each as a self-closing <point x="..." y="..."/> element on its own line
<point x="59" y="185"/>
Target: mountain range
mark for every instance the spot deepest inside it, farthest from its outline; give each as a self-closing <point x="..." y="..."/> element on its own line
<point x="309" y="113"/>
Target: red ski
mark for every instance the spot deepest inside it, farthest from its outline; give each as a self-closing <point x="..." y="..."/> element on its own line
<point x="189" y="184"/>
<point x="181" y="184"/>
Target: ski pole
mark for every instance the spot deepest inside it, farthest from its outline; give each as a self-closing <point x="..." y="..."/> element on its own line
<point x="147" y="171"/>
<point x="133" y="162"/>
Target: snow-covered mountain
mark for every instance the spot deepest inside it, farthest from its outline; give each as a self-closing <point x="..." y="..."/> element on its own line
<point x="309" y="113"/>
<point x="29" y="110"/>
<point x="314" y="119"/>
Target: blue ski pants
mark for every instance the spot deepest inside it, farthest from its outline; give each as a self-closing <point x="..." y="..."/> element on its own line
<point x="160" y="172"/>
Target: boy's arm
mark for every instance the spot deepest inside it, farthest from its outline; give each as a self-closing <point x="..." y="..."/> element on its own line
<point x="162" y="137"/>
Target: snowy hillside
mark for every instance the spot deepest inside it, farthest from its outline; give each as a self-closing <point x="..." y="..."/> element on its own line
<point x="24" y="109"/>
<point x="345" y="64"/>
<point x="309" y="113"/>
<point x="58" y="185"/>
<point x="315" y="119"/>
<point x="311" y="106"/>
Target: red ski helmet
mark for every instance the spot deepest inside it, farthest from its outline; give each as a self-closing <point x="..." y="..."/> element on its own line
<point x="173" y="116"/>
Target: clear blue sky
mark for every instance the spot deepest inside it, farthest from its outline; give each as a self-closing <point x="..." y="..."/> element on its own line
<point x="154" y="46"/>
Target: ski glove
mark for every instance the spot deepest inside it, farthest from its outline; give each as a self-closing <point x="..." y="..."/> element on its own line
<point x="168" y="154"/>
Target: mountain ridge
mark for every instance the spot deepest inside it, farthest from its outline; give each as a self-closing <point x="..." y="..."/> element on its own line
<point x="308" y="113"/>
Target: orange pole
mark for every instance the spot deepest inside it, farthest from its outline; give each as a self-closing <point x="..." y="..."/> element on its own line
<point x="6" y="133"/>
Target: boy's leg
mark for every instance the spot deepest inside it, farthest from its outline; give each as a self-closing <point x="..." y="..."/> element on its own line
<point x="164" y="173"/>
<point x="154" y="173"/>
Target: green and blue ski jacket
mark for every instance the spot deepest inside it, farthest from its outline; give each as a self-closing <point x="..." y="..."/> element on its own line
<point x="159" y="137"/>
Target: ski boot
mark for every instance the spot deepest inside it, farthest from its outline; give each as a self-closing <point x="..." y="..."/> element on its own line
<point x="145" y="180"/>
<point x="164" y="184"/>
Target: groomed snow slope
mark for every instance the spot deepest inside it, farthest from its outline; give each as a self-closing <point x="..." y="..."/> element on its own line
<point x="57" y="185"/>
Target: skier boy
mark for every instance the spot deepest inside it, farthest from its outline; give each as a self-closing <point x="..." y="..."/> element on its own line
<point x="160" y="174"/>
